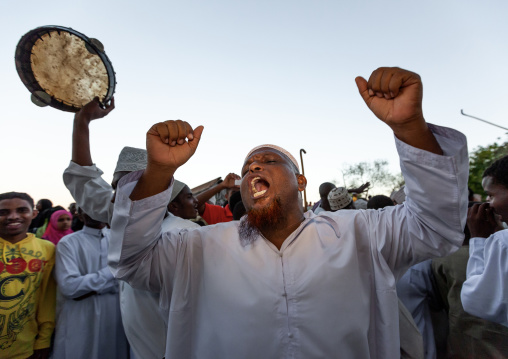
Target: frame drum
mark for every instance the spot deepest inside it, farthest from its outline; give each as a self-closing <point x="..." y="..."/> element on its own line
<point x="63" y="68"/>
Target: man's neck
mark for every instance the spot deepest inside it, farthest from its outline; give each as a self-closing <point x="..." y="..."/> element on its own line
<point x="277" y="235"/>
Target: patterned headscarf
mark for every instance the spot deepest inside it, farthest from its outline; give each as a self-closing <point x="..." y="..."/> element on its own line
<point x="52" y="233"/>
<point x="278" y="149"/>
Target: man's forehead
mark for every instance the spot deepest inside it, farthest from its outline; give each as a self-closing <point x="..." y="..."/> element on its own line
<point x="14" y="203"/>
<point x="273" y="149"/>
<point x="265" y="151"/>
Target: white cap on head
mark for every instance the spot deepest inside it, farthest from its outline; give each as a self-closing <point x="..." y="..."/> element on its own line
<point x="339" y="198"/>
<point x="278" y="149"/>
<point x="131" y="159"/>
<point x="177" y="188"/>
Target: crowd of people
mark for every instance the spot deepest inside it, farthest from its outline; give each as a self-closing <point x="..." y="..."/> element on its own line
<point x="145" y="267"/>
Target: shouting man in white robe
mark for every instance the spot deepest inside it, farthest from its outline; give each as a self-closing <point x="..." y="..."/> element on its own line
<point x="282" y="283"/>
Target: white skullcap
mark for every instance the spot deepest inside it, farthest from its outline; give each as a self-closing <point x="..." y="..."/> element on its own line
<point x="177" y="188"/>
<point x="131" y="159"/>
<point x="278" y="149"/>
<point x="339" y="198"/>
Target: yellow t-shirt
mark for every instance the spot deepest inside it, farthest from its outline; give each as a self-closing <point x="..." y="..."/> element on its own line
<point x="27" y="296"/>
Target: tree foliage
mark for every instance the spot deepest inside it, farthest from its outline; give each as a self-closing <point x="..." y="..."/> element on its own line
<point x="480" y="159"/>
<point x="376" y="172"/>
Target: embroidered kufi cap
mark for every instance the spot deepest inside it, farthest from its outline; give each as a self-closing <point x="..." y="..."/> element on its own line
<point x="339" y="198"/>
<point x="131" y="159"/>
<point x="278" y="149"/>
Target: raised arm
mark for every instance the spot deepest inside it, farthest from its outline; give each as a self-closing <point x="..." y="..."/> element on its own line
<point x="169" y="145"/>
<point x="140" y="205"/>
<point x="395" y="96"/>
<point x="434" y="163"/>
<point x="81" y="154"/>
<point x="82" y="178"/>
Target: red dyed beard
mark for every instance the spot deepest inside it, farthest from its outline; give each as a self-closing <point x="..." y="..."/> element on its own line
<point x="257" y="220"/>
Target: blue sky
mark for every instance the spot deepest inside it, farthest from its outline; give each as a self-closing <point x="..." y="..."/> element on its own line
<point x="255" y="72"/>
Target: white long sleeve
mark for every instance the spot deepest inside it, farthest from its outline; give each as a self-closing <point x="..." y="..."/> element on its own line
<point x="485" y="291"/>
<point x="82" y="269"/>
<point x="90" y="191"/>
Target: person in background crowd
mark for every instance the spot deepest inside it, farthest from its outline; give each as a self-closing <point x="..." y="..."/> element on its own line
<point x="89" y="324"/>
<point x="417" y="290"/>
<point x="182" y="207"/>
<point x="485" y="291"/>
<point x="379" y="201"/>
<point x="303" y="285"/>
<point x="360" y="203"/>
<point x="322" y="204"/>
<point x="234" y="200"/>
<point x="77" y="222"/>
<point x="211" y="213"/>
<point x="463" y="335"/>
<point x="46" y="216"/>
<point x="27" y="287"/>
<point x="324" y="190"/>
<point x="38" y="221"/>
<point x="59" y="226"/>
<point x="339" y="198"/>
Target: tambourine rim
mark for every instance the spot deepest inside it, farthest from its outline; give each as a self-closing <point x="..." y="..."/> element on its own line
<point x="24" y="67"/>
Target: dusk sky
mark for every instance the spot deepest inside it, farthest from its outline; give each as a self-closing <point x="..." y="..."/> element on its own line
<point x="255" y="72"/>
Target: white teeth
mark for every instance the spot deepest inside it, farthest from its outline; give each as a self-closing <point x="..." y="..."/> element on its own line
<point x="257" y="194"/>
<point x="253" y="184"/>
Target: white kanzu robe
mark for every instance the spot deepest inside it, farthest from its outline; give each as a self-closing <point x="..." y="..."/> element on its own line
<point x="485" y="292"/>
<point x="88" y="324"/>
<point x="329" y="292"/>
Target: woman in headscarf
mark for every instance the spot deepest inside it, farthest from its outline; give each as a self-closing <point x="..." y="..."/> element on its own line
<point x="59" y="225"/>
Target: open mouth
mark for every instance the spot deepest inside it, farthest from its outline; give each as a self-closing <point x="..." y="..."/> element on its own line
<point x="259" y="186"/>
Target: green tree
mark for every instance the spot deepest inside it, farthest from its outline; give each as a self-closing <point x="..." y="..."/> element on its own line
<point x="375" y="172"/>
<point x="480" y="159"/>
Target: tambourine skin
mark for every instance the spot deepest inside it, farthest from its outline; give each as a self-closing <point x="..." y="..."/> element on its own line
<point x="62" y="99"/>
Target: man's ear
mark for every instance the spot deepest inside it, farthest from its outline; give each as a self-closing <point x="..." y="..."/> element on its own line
<point x="173" y="207"/>
<point x="302" y="182"/>
<point x="34" y="213"/>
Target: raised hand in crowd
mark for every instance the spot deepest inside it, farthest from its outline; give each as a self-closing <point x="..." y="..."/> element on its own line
<point x="169" y="145"/>
<point x="81" y="133"/>
<point x="482" y="220"/>
<point x="395" y="96"/>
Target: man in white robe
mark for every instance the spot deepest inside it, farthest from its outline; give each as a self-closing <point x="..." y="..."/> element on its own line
<point x="89" y="324"/>
<point x="485" y="291"/>
<point x="143" y="320"/>
<point x="282" y="283"/>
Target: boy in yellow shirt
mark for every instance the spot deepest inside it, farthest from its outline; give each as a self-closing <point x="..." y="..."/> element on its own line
<point x="27" y="287"/>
